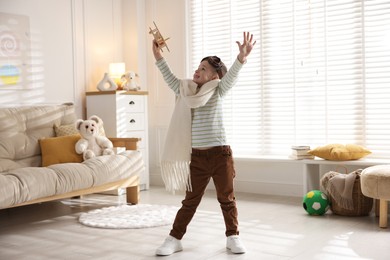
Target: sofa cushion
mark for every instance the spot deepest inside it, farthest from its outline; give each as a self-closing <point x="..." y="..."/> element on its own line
<point x="29" y="183"/>
<point x="6" y="165"/>
<point x="60" y="150"/>
<point x="22" y="127"/>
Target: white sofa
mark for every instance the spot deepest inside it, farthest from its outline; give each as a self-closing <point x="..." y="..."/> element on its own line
<point x="24" y="181"/>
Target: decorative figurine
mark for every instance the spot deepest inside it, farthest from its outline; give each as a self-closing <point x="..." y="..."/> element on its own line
<point x="129" y="82"/>
<point x="106" y="84"/>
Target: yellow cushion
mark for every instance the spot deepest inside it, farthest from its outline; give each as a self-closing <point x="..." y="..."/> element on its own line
<point x="60" y="150"/>
<point x="340" y="152"/>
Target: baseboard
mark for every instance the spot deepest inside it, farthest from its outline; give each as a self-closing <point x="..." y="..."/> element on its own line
<point x="280" y="189"/>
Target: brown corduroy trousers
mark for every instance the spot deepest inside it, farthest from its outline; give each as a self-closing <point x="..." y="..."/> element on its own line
<point x="216" y="163"/>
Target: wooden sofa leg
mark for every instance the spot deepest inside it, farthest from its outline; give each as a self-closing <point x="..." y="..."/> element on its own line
<point x="383" y="213"/>
<point x="132" y="194"/>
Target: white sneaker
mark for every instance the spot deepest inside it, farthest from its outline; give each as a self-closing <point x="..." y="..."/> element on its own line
<point x="235" y="245"/>
<point x="171" y="245"/>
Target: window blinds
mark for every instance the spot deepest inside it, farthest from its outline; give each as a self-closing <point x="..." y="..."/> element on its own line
<point x="319" y="74"/>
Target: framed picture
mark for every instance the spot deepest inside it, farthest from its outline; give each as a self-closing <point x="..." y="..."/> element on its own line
<point x="15" y="52"/>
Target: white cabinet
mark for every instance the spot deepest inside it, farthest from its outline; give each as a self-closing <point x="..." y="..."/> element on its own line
<point x="124" y="114"/>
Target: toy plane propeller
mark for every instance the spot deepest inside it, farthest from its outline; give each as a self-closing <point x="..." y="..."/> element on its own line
<point x="161" y="42"/>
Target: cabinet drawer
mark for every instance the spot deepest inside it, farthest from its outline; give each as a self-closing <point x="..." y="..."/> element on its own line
<point x="134" y="121"/>
<point x="134" y="104"/>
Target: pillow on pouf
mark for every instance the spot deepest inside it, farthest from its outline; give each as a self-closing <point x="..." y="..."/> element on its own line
<point x="340" y="152"/>
<point x="60" y="150"/>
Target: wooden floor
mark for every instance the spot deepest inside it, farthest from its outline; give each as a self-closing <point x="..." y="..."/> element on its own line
<point x="271" y="227"/>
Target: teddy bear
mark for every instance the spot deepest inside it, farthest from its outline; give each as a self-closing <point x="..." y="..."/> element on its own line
<point x="92" y="143"/>
<point x="129" y="82"/>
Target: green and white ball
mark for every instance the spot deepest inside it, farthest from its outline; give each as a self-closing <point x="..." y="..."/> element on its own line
<point x="316" y="202"/>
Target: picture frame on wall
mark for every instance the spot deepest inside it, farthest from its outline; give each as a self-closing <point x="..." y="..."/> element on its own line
<point x="15" y="52"/>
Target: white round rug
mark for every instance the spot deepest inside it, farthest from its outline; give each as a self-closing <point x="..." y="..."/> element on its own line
<point x="130" y="216"/>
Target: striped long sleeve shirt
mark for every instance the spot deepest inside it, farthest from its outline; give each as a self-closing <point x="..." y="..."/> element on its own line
<point x="207" y="121"/>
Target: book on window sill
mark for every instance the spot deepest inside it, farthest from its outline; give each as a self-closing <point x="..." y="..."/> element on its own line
<point x="301" y="157"/>
<point x="299" y="152"/>
<point x="300" y="147"/>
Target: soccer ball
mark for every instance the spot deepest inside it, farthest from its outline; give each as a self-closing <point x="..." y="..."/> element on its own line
<point x="316" y="202"/>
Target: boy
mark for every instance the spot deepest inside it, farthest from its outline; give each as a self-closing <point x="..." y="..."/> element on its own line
<point x="195" y="148"/>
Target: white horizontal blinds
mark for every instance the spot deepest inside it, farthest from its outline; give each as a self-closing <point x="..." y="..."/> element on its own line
<point x="322" y="74"/>
<point x="326" y="75"/>
<point x="278" y="75"/>
<point x="344" y="75"/>
<point x="210" y="31"/>
<point x="215" y="27"/>
<point x="377" y="76"/>
<point x="242" y="106"/>
<point x="309" y="73"/>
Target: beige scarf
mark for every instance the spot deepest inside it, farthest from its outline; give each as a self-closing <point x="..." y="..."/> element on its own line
<point x="176" y="157"/>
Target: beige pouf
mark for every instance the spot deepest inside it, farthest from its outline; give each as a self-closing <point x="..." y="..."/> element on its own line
<point x="375" y="183"/>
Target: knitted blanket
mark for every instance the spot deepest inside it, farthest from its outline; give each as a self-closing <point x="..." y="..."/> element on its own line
<point x="176" y="157"/>
<point x="340" y="187"/>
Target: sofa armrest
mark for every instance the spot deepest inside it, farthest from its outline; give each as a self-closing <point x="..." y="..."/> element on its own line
<point x="128" y="143"/>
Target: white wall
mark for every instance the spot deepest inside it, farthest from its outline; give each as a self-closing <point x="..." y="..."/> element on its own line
<point x="51" y="56"/>
<point x="73" y="42"/>
<point x="169" y="15"/>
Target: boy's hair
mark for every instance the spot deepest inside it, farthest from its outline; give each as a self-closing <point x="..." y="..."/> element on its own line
<point x="217" y="64"/>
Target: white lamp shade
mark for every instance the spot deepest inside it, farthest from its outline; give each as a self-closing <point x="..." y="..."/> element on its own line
<point x="117" y="70"/>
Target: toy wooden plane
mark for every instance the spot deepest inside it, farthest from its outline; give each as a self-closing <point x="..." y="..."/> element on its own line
<point x="161" y="42"/>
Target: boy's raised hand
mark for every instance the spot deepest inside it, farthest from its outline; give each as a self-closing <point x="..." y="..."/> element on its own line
<point x="156" y="50"/>
<point x="246" y="47"/>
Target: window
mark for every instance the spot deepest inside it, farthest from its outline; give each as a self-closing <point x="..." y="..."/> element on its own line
<point x="320" y="72"/>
